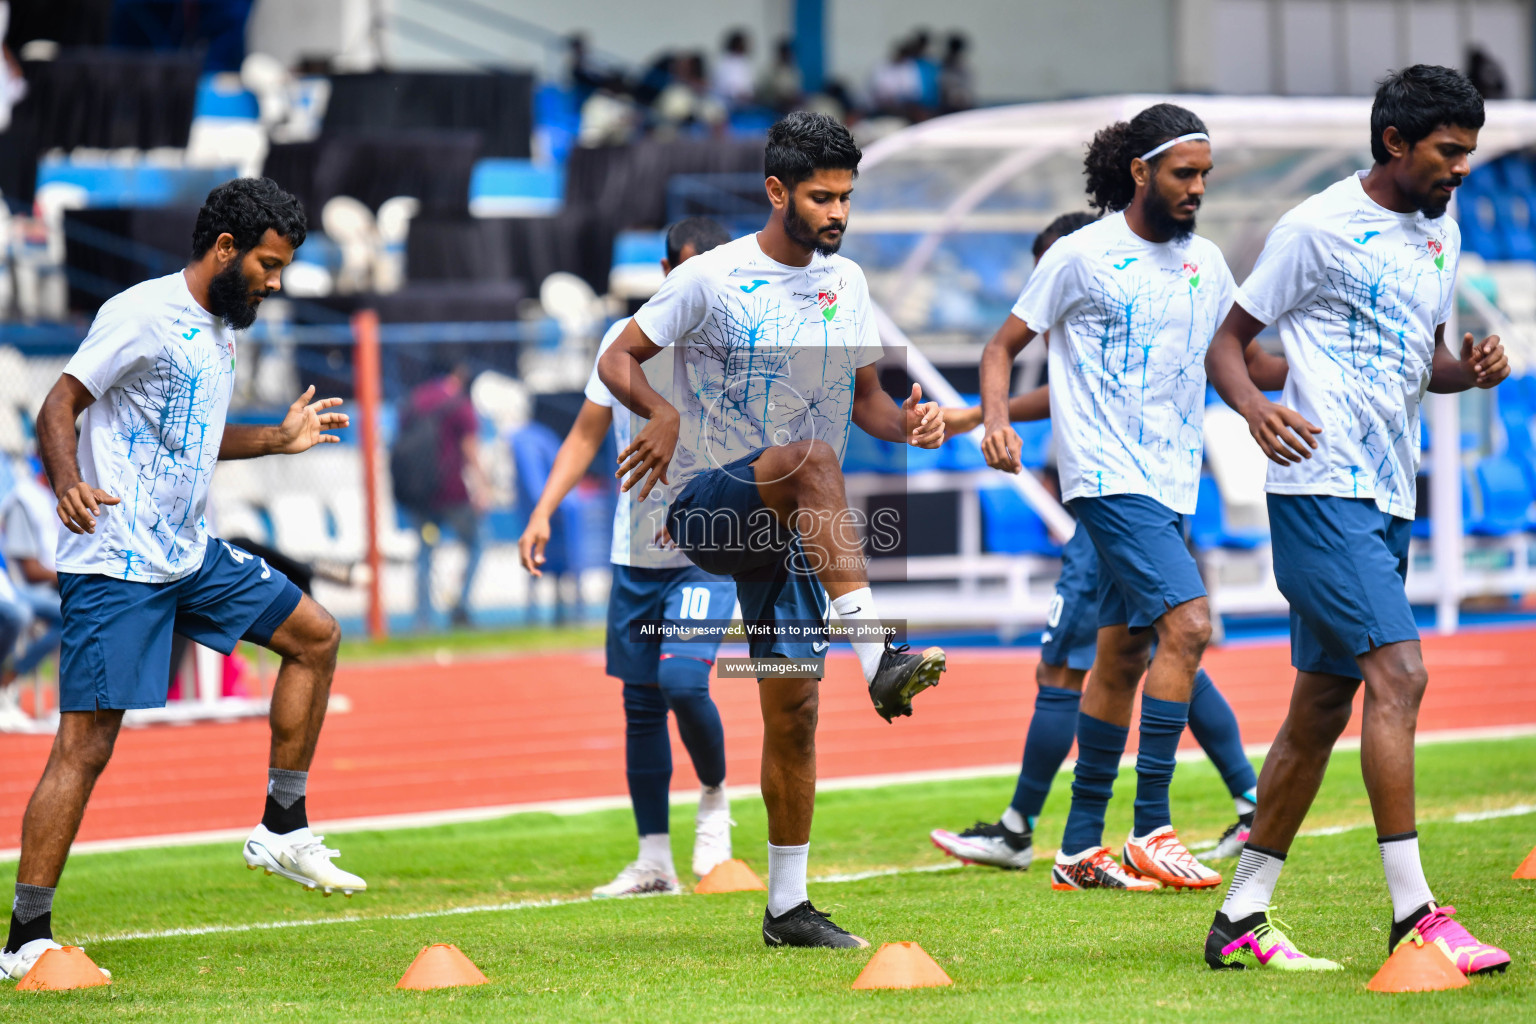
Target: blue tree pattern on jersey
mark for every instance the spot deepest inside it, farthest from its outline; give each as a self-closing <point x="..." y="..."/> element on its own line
<point x="166" y="450"/>
<point x="1367" y="305"/>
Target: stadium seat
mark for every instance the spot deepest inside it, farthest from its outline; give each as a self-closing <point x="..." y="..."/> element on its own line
<point x="1208" y="526"/>
<point x="1505" y="497"/>
<point x="1010" y="526"/>
<point x="299" y="525"/>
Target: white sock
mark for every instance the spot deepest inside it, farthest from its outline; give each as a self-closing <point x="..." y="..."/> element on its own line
<point x="1245" y="804"/>
<point x="712" y="800"/>
<point x="1253" y="883"/>
<point x="786" y="877"/>
<point x="860" y="605"/>
<point x="1013" y="821"/>
<point x="657" y="849"/>
<point x="1405" y="875"/>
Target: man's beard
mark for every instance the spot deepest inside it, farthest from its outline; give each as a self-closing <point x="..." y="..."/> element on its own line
<point x="1432" y="205"/>
<point x="229" y="297"/>
<point x="801" y="233"/>
<point x="1162" y="221"/>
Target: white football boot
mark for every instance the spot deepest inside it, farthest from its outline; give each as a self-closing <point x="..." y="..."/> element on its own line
<point x="14" y="966"/>
<point x="640" y="878"/>
<point x="300" y="856"/>
<point x="711" y="840"/>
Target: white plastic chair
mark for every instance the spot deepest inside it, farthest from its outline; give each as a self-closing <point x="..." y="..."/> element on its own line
<point x="227" y="141"/>
<point x="351" y="225"/>
<point x="299" y="525"/>
<point x="266" y="77"/>
<point x="394" y="225"/>
<point x="572" y="303"/>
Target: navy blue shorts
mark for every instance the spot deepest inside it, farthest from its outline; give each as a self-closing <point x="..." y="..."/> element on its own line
<point x="661" y="595"/>
<point x="116" y="649"/>
<point x="1145" y="567"/>
<point x="720" y="522"/>
<point x="1341" y="563"/>
<point x="1071" y="637"/>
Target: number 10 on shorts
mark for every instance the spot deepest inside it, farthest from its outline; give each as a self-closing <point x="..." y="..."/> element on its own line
<point x="695" y="603"/>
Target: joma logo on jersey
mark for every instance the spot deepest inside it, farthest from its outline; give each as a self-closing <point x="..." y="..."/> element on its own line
<point x="1193" y="270"/>
<point x="1438" y="252"/>
<point x="828" y="303"/>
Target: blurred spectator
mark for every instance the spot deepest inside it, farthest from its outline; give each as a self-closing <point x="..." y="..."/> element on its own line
<point x="686" y="100"/>
<point x="927" y="70"/>
<point x="732" y="79"/>
<point x="586" y="77"/>
<point x="957" y="90"/>
<point x="14" y="619"/>
<point x="1486" y="74"/>
<point x="440" y="481"/>
<point x="896" y="86"/>
<point x="29" y="534"/>
<point x="781" y="85"/>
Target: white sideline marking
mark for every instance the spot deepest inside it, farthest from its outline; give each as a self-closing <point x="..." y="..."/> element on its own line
<point x="857" y="876"/>
<point x="586" y="805"/>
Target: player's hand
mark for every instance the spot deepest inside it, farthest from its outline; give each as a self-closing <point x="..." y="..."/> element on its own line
<point x="306" y="423"/>
<point x="1001" y="448"/>
<point x="1486" y="364"/>
<point x="530" y="546"/>
<point x="81" y="504"/>
<point x="923" y="421"/>
<point x="649" y="454"/>
<point x="961" y="420"/>
<point x="1284" y="434"/>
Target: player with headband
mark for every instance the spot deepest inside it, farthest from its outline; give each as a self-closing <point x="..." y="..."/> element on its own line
<point x="1134" y="299"/>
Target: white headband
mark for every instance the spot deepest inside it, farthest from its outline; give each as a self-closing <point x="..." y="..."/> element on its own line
<point x="1191" y="137"/>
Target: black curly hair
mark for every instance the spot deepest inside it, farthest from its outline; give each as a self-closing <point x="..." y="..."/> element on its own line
<point x="1419" y="99"/>
<point x="246" y="208"/>
<point x="703" y="233"/>
<point x="1059" y="228"/>
<point x="803" y="143"/>
<point x="1108" y="165"/>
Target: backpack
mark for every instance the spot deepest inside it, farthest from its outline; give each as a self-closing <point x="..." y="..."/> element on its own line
<point x="413" y="461"/>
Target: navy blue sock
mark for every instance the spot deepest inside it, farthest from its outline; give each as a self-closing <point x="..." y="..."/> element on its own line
<point x="685" y="686"/>
<point x="647" y="756"/>
<point x="1100" y="745"/>
<point x="1162" y="724"/>
<point x="1215" y="727"/>
<point x="1051" y="732"/>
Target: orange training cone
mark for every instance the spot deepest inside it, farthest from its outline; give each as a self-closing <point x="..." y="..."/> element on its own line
<point x="730" y="876"/>
<point x="66" y="967"/>
<point x="441" y="966"/>
<point x="1416" y="968"/>
<point x="901" y="965"/>
<point x="1527" y="868"/>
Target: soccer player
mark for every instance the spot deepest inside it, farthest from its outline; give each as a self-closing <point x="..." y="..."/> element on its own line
<point x="1066" y="654"/>
<point x="656" y="584"/>
<point x="153" y="380"/>
<point x="1360" y="280"/>
<point x="777" y="344"/>
<point x="1137" y="296"/>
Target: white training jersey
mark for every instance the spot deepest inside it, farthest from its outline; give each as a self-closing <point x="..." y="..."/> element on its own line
<point x="768" y="351"/>
<point x="1131" y="322"/>
<point x="636" y="524"/>
<point x="1357" y="292"/>
<point x="161" y="369"/>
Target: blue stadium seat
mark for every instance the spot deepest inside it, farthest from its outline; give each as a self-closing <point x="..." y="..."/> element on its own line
<point x="1506" y="498"/>
<point x="1208" y="526"/>
<point x="1010" y="526"/>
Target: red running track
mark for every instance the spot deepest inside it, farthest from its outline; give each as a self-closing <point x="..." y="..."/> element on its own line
<point x="423" y="737"/>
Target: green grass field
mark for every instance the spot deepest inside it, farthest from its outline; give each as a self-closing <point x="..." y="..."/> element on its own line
<point x="1015" y="949"/>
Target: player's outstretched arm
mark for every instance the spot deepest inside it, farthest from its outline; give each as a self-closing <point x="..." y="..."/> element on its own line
<point x="1001" y="444"/>
<point x="79" y="502"/>
<point x="1283" y="434"/>
<point x="1025" y="408"/>
<point x="571" y="463"/>
<point x="1481" y="365"/>
<point x="303" y="427"/>
<point x="648" y="455"/>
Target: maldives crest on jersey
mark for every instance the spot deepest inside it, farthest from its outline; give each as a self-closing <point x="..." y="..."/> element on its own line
<point x="1193" y="270"/>
<point x="1438" y="252"/>
<point x="828" y="303"/>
